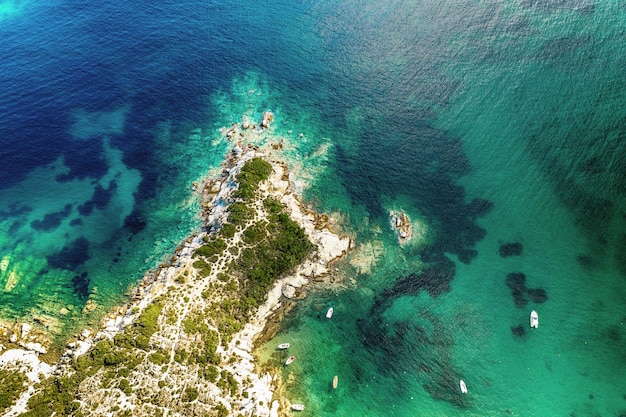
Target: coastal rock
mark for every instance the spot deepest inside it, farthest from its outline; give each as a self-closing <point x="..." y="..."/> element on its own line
<point x="89" y="306"/>
<point x="274" y="409"/>
<point x="268" y="118"/>
<point x="26" y="328"/>
<point x="78" y="347"/>
<point x="289" y="291"/>
<point x="47" y="321"/>
<point x="34" y="346"/>
<point x="26" y="361"/>
<point x="113" y="325"/>
<point x="85" y="334"/>
<point x="230" y="133"/>
<point x="245" y="122"/>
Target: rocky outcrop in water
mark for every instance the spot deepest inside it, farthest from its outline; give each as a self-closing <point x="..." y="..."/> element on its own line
<point x="516" y="281"/>
<point x="401" y="224"/>
<point x="510" y="249"/>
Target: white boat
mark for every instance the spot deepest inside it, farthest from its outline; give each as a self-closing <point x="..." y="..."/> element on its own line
<point x="534" y="319"/>
<point x="329" y="313"/>
<point x="463" y="387"/>
<point x="297" y="407"/>
<point x="284" y="346"/>
<point x="335" y="382"/>
<point x="290" y="359"/>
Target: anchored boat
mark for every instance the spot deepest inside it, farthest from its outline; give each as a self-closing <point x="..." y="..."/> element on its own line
<point x="534" y="319"/>
<point x="463" y="387"/>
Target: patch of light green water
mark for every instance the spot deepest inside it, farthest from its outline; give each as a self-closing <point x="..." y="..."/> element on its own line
<point x="532" y="130"/>
<point x="50" y="220"/>
<point x="10" y="8"/>
<point x="328" y="347"/>
<point x="45" y="224"/>
<point x="521" y="101"/>
<point x="186" y="154"/>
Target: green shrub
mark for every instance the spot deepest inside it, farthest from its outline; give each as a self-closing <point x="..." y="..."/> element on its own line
<point x="171" y="316"/>
<point x="286" y="247"/>
<point x="214" y="247"/>
<point x="221" y="410"/>
<point x="252" y="173"/>
<point x="272" y="205"/>
<point x="191" y="393"/>
<point x="12" y="383"/>
<point x="159" y="357"/>
<point x="142" y="342"/>
<point x="125" y="386"/>
<point x="228" y="382"/>
<point x="228" y="230"/>
<point x="146" y="323"/>
<point x="203" y="268"/>
<point x="211" y="373"/>
<point x="254" y="234"/>
<point x="181" y="356"/>
<point x="55" y="397"/>
<point x="239" y="213"/>
<point x="113" y="359"/>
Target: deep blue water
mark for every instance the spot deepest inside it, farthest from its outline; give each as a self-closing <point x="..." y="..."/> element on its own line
<point x="488" y="123"/>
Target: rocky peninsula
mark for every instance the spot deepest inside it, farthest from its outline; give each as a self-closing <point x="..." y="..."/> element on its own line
<point x="184" y="343"/>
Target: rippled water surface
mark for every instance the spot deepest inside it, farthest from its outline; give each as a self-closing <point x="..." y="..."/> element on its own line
<point x="497" y="127"/>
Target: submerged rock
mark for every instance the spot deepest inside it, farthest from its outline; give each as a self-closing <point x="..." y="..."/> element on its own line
<point x="245" y="122"/>
<point x="510" y="249"/>
<point x="518" y="330"/>
<point x="538" y="295"/>
<point x="516" y="281"/>
<point x="268" y="118"/>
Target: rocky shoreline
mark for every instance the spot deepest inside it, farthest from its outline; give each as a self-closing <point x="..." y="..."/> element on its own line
<point x="183" y="293"/>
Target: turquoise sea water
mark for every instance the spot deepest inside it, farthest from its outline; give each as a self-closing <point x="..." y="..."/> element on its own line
<point x="488" y="123"/>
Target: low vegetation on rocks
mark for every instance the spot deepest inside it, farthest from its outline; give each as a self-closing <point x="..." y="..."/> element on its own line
<point x="174" y="357"/>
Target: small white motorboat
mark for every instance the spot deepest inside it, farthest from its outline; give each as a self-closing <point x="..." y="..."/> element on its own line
<point x="297" y="407"/>
<point x="463" y="387"/>
<point x="329" y="313"/>
<point x="284" y="346"/>
<point x="534" y="319"/>
<point x="290" y="359"/>
<point x="335" y="382"/>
